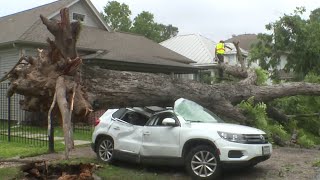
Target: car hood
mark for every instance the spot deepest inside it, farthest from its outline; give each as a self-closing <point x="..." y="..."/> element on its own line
<point x="228" y="128"/>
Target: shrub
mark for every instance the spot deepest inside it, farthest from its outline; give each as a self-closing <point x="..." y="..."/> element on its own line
<point x="262" y="76"/>
<point x="304" y="141"/>
<point x="257" y="112"/>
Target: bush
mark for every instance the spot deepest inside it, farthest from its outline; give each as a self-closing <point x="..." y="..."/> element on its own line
<point x="279" y="130"/>
<point x="304" y="141"/>
<point x="308" y="128"/>
<point x="262" y="76"/>
<point x="257" y="112"/>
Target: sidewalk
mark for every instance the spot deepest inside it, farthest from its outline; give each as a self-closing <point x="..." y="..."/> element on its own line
<point x="81" y="152"/>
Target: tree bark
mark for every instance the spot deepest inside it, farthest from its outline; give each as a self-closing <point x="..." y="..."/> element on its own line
<point x="109" y="89"/>
<point x="239" y="55"/>
<point x="65" y="114"/>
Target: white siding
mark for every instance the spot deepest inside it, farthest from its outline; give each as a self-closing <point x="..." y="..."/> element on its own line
<point x="185" y="76"/>
<point x="16" y="113"/>
<point x="8" y="58"/>
<point x="30" y="52"/>
<point x="283" y="62"/>
<point x="82" y="8"/>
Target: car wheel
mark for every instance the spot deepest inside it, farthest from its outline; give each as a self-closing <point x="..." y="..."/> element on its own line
<point x="105" y="149"/>
<point x="203" y="163"/>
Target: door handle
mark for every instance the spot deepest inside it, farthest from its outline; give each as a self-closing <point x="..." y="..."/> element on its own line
<point x="146" y="133"/>
<point x="116" y="128"/>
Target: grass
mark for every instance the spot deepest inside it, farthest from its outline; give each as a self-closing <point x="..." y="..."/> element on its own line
<point x="15" y="149"/>
<point x="10" y="173"/>
<point x="316" y="164"/>
<point x="128" y="171"/>
<point x="79" y="135"/>
<point x="123" y="171"/>
<point x="19" y="148"/>
<point x="84" y="132"/>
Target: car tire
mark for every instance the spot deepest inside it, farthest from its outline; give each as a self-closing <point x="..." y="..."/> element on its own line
<point x="202" y="162"/>
<point x="105" y="149"/>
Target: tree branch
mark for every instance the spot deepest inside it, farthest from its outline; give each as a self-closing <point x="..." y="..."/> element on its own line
<point x="65" y="113"/>
<point x="239" y="55"/>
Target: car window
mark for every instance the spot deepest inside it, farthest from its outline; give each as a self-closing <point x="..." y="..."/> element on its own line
<point x="134" y="118"/>
<point x="119" y="113"/>
<point x="157" y="119"/>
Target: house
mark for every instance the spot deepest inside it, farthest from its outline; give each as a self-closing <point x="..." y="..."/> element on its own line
<point x="246" y="40"/>
<point x="201" y="50"/>
<point x="246" y="43"/>
<point x="23" y="32"/>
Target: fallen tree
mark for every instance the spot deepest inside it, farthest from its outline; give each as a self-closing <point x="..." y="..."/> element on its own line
<point x="54" y="76"/>
<point x="109" y="88"/>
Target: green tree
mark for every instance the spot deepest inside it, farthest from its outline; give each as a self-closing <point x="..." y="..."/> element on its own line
<point x="117" y="16"/>
<point x="167" y="32"/>
<point x="293" y="37"/>
<point x="144" y="24"/>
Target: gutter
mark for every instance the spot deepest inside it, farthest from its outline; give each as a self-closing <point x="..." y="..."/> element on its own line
<point x="8" y="44"/>
<point x="16" y="43"/>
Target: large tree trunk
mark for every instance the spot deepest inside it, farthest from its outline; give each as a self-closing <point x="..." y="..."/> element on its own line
<point x="108" y="88"/>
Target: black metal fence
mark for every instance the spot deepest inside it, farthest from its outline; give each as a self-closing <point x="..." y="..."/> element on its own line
<point x="17" y="125"/>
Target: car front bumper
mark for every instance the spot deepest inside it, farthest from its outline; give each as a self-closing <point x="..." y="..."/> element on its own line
<point x="238" y="153"/>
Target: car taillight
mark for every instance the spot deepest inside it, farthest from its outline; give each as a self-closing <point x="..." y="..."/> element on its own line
<point x="96" y="122"/>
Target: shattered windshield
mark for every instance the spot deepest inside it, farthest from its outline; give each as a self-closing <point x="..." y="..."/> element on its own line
<point x="193" y="112"/>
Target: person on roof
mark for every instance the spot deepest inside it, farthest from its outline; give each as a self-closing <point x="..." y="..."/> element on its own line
<point x="219" y="55"/>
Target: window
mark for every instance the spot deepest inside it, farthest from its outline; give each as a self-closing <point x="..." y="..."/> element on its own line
<point x="156" y="120"/>
<point x="134" y="118"/>
<point x="78" y="17"/>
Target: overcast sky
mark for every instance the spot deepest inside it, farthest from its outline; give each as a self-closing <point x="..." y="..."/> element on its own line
<point x="215" y="19"/>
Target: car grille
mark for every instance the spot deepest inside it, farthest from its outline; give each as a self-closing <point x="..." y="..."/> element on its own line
<point x="255" y="139"/>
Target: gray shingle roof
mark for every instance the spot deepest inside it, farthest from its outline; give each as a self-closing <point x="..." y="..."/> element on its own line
<point x="27" y="27"/>
<point x="246" y="40"/>
<point x="13" y="26"/>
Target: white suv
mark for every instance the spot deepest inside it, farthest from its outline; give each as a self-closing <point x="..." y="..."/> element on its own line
<point x="187" y="135"/>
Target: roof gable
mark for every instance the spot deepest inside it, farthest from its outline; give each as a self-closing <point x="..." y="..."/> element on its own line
<point x="84" y="7"/>
<point x="246" y="40"/>
<point x="14" y="26"/>
<point x="195" y="47"/>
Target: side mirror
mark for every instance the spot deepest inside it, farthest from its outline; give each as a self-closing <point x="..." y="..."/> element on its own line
<point x="169" y="122"/>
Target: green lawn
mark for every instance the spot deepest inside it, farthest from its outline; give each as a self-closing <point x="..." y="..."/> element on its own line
<point x="78" y="134"/>
<point x="81" y="133"/>
<point x="18" y="146"/>
<point x="14" y="149"/>
<point x="123" y="171"/>
<point x="10" y="173"/>
<point x="130" y="171"/>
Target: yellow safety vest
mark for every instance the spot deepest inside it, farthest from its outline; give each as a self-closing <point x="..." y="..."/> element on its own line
<point x="220" y="48"/>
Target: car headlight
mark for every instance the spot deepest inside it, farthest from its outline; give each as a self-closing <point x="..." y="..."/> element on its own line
<point x="238" y="138"/>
